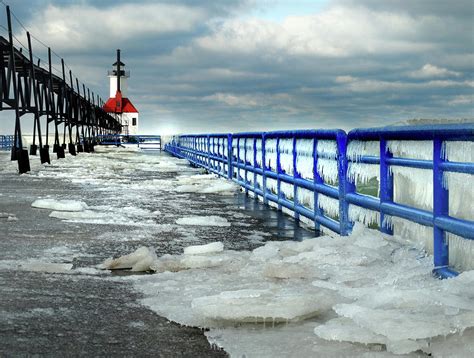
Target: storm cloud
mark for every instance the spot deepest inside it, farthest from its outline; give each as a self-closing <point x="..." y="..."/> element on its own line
<point x="200" y="66"/>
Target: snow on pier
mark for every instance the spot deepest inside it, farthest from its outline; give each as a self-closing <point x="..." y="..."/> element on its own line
<point x="219" y="265"/>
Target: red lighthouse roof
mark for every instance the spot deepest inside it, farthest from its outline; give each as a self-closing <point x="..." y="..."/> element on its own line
<point x="119" y="104"/>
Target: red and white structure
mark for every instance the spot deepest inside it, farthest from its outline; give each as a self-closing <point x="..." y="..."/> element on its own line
<point x="118" y="103"/>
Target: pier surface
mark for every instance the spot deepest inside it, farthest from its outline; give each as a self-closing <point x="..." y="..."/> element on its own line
<point x="53" y="299"/>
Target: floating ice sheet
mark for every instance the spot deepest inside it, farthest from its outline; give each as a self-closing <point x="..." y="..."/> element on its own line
<point x="203" y="221"/>
<point x="59" y="205"/>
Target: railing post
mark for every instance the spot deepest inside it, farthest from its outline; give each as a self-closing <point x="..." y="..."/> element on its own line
<point x="344" y="185"/>
<point x="316" y="180"/>
<point x="255" y="181"/>
<point x="230" y="169"/>
<point x="264" y="169"/>
<point x="295" y="175"/>
<point x="386" y="184"/>
<point x="440" y="208"/>
<point x="278" y="171"/>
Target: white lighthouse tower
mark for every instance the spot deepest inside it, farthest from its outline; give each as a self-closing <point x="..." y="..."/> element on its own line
<point x="118" y="102"/>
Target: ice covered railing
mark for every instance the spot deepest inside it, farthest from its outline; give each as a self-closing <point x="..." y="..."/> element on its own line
<point x="416" y="181"/>
<point x="296" y="171"/>
<point x="206" y="150"/>
<point x="6" y="142"/>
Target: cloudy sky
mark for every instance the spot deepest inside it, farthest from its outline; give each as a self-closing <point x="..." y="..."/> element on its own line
<point x="239" y="65"/>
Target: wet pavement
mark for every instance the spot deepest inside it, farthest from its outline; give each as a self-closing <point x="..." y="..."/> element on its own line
<point x="84" y="311"/>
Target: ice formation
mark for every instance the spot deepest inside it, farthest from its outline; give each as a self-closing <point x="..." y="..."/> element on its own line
<point x="361" y="173"/>
<point x="59" y="205"/>
<point x="365" y="294"/>
<point x="413" y="187"/>
<point x="271" y="154"/>
<point x="304" y="158"/>
<point x="211" y="220"/>
<point x="211" y="248"/>
<point x="286" y="155"/>
<point x="363" y="215"/>
<point x="139" y="260"/>
<point x="357" y="149"/>
<point x="415" y="149"/>
<point x="329" y="205"/>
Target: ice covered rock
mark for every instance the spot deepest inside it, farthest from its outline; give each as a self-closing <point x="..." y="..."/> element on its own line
<point x="140" y="260"/>
<point x="210" y="248"/>
<point x="345" y="329"/>
<point x="59" y="205"/>
<point x="203" y="221"/>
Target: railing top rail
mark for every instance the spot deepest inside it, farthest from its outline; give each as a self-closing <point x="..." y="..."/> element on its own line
<point x="457" y="131"/>
<point x="307" y="133"/>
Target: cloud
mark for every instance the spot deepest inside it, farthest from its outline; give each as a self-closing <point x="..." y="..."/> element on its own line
<point x="429" y="71"/>
<point x="216" y="66"/>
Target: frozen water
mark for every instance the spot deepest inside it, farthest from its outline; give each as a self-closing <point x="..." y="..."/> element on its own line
<point x="379" y="289"/>
<point x="357" y="149"/>
<point x="59" y="205"/>
<point x="362" y="215"/>
<point x="203" y="221"/>
<point x="329" y="205"/>
<point x="415" y="149"/>
<point x="140" y="260"/>
<point x="327" y="169"/>
<point x="286" y="155"/>
<point x="413" y="187"/>
<point x="327" y="149"/>
<point x="361" y="173"/>
<point x="210" y="248"/>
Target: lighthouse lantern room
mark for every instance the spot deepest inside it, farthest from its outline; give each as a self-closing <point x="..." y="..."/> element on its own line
<point x="118" y="103"/>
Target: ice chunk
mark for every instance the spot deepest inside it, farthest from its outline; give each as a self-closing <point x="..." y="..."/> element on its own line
<point x="396" y="325"/>
<point x="48" y="267"/>
<point x="345" y="329"/>
<point x="203" y="221"/>
<point x="211" y="248"/>
<point x="139" y="260"/>
<point x="59" y="205"/>
<point x="258" y="305"/>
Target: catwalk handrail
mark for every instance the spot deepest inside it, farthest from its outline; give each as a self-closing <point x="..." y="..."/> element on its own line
<point x="266" y="163"/>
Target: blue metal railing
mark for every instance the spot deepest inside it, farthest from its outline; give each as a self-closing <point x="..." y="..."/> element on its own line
<point x="274" y="166"/>
<point x="6" y="142"/>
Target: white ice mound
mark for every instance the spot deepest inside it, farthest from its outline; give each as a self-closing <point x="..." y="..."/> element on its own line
<point x="60" y="205"/>
<point x="211" y="248"/>
<point x="140" y="260"/>
<point x="47" y="267"/>
<point x="260" y="305"/>
<point x="203" y="221"/>
<point x="206" y="184"/>
<point x="175" y="263"/>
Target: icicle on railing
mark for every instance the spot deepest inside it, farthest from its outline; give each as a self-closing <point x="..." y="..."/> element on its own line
<point x="272" y="185"/>
<point x="249" y="150"/>
<point x="329" y="205"/>
<point x="363" y="215"/>
<point x="357" y="148"/>
<point x="271" y="153"/>
<point x="461" y="252"/>
<point x="287" y="190"/>
<point x="286" y="155"/>
<point x="414" y="149"/>
<point x="259" y="154"/>
<point x="420" y="235"/>
<point x="413" y="187"/>
<point x="304" y="158"/>
<point x="306" y="198"/>
<point x="327" y="160"/>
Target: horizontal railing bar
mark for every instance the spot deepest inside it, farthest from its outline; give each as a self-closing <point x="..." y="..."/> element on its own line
<point x="419" y="216"/>
<point x="458" y="227"/>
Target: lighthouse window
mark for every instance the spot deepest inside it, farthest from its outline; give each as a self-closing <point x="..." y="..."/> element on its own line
<point x="134" y="121"/>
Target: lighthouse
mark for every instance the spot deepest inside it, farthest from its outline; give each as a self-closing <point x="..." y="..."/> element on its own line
<point x="118" y="103"/>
